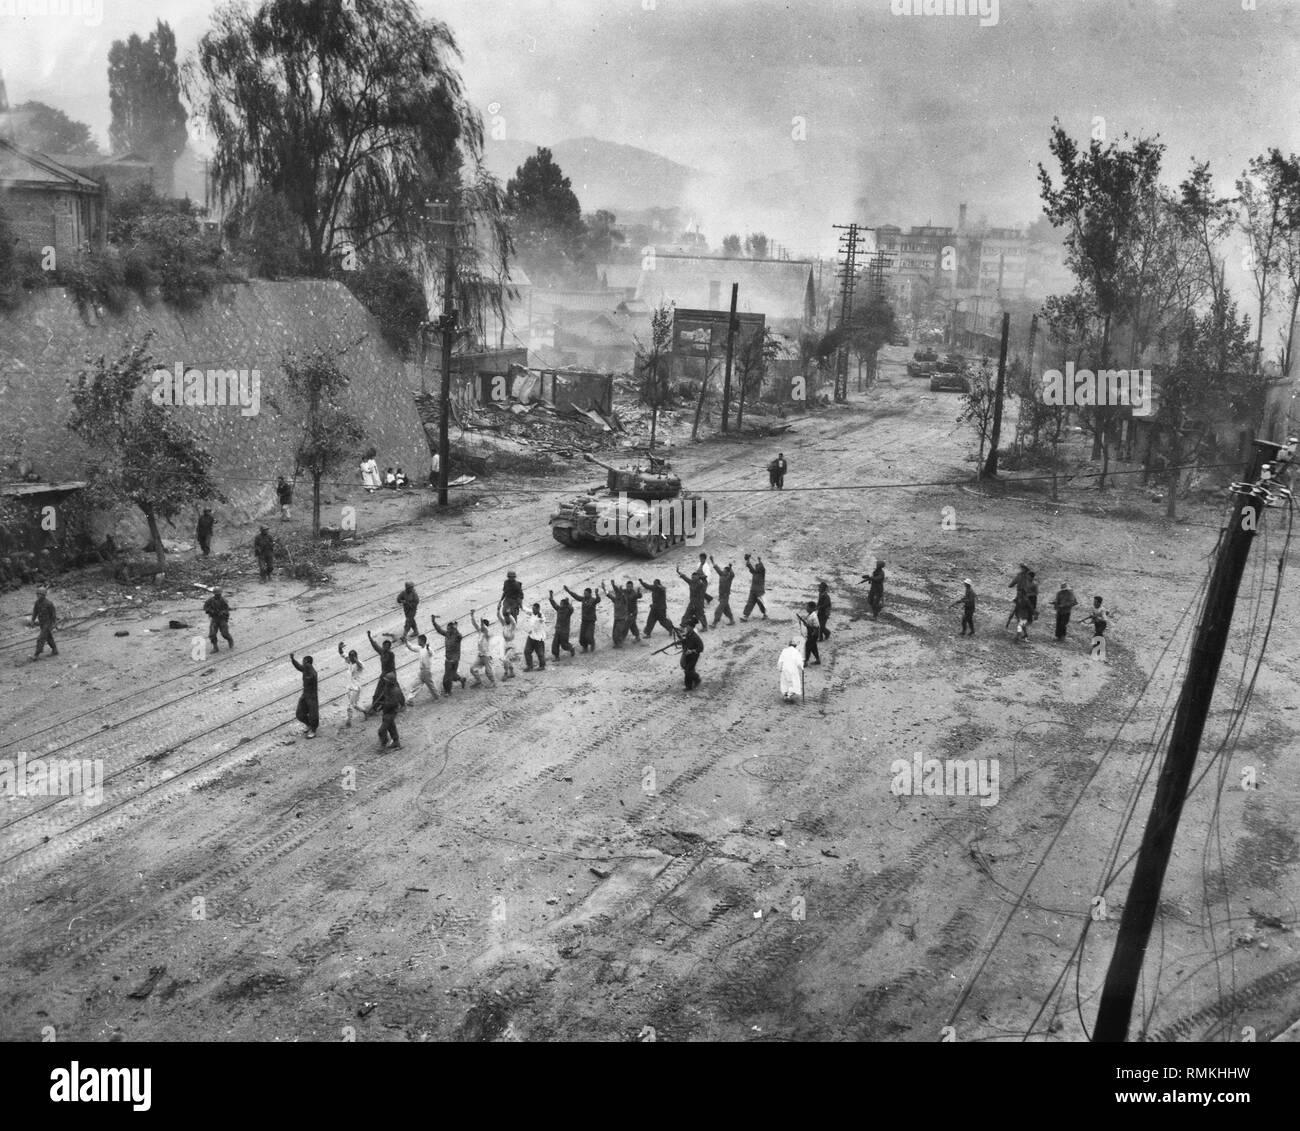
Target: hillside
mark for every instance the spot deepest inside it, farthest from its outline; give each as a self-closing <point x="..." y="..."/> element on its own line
<point x="604" y="174"/>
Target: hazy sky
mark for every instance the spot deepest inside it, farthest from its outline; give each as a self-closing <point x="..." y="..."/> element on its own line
<point x="905" y="115"/>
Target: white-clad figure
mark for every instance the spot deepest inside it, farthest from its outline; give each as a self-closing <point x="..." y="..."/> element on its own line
<point x="790" y="665"/>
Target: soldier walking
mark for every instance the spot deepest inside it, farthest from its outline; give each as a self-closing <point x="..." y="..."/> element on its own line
<point x="426" y="665"/>
<point x="824" y="611"/>
<point x="512" y="595"/>
<point x="757" y="586"/>
<point x="725" y="578"/>
<point x="692" y="646"/>
<point x="563" y="620"/>
<point x="967" y="603"/>
<point x="391" y="701"/>
<point x="1063" y="602"/>
<point x="204" y="531"/>
<point x="876" y="590"/>
<point x="264" y="550"/>
<point x="45" y="616"/>
<point x="535" y="645"/>
<point x="812" y="633"/>
<point x="1031" y="591"/>
<point x="308" y="712"/>
<point x="409" y="599"/>
<point x="587" y="625"/>
<point x="450" y="654"/>
<point x="218" y="610"/>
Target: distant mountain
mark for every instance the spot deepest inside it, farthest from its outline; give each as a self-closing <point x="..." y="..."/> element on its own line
<point x="604" y="174"/>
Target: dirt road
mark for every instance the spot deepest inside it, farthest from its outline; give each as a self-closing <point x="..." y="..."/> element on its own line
<point x="589" y="852"/>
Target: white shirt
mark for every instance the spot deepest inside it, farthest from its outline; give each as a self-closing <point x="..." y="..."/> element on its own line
<point x="536" y="626"/>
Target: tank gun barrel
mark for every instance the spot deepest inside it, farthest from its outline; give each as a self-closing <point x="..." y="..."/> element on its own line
<point x="592" y="459"/>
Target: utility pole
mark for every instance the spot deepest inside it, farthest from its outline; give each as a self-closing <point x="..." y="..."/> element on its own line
<point x="446" y="324"/>
<point x="848" y="275"/>
<point x="731" y="341"/>
<point x="991" y="462"/>
<point x="1189" y="721"/>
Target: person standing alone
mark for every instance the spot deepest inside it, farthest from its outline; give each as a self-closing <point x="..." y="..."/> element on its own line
<point x="967" y="603"/>
<point x="204" y="531"/>
<point x="218" y="610"/>
<point x="44" y="616"/>
<point x="264" y="550"/>
<point x="284" y="493"/>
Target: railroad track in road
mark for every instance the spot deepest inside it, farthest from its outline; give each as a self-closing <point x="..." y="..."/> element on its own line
<point x="39" y="827"/>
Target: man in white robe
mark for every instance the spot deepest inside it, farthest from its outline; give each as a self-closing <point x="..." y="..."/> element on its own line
<point x="790" y="666"/>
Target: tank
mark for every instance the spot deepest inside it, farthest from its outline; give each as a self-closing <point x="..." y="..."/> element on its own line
<point x="644" y="511"/>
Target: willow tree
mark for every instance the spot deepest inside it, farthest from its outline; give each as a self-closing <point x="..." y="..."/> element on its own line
<point x="354" y="113"/>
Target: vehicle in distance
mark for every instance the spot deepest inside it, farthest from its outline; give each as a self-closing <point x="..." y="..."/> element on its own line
<point x="947" y="381"/>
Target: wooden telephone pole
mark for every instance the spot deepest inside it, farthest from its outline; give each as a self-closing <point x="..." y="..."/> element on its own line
<point x="1211" y="638"/>
<point x="731" y="345"/>
<point x="446" y="325"/>
<point x="849" y="243"/>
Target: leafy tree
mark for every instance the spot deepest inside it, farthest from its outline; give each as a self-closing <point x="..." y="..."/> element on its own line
<point x="1098" y="204"/>
<point x="142" y="453"/>
<point x="144" y="94"/>
<point x="328" y="432"/>
<point x="603" y="240"/>
<point x="756" y="246"/>
<point x="49" y="130"/>
<point x="546" y="218"/>
<point x="354" y="112"/>
<point x="1205" y="346"/>
<point x="392" y="293"/>
<point x="731" y="246"/>
<point x="755" y="354"/>
<point x="978" y="405"/>
<point x="653" y="365"/>
<point x="263" y="231"/>
<point x="163" y="245"/>
<point x="1269" y="193"/>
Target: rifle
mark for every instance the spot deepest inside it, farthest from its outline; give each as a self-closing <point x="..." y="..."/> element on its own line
<point x="676" y="642"/>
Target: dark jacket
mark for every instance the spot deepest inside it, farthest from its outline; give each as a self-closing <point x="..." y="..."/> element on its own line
<point x="264" y="546"/>
<point x="658" y="596"/>
<point x="563" y="617"/>
<point x="206" y="523"/>
<point x="409" y="600"/>
<point x="451" y="650"/>
<point x="758" y="577"/>
<point x="218" y="608"/>
<point x="43" y="612"/>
